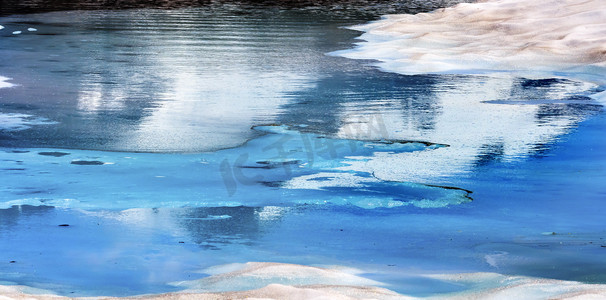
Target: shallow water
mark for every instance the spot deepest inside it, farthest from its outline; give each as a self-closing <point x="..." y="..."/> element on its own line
<point x="134" y="128"/>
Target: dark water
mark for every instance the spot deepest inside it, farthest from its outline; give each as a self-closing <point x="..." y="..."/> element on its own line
<point x="369" y="169"/>
<point x="376" y="7"/>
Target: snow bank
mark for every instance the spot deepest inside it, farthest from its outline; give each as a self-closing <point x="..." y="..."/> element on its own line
<point x="500" y="35"/>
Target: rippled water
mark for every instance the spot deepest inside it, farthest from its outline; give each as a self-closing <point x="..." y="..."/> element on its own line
<point x="134" y="128"/>
<point x="154" y="80"/>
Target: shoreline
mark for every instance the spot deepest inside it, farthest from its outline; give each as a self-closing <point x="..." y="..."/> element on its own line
<point x="333" y="285"/>
<point x="306" y="282"/>
<point x="10" y="7"/>
<point x="494" y="38"/>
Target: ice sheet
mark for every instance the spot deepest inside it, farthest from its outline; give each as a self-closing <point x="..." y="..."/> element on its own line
<point x="491" y="36"/>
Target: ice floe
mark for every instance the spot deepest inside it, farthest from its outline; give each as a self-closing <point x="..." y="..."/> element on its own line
<point x="491" y="36"/>
<point x="254" y="275"/>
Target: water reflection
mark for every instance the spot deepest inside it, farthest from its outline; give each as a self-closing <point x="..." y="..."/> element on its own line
<point x="135" y="251"/>
<point x="485" y="120"/>
<point x="345" y="101"/>
<point x="482" y="119"/>
<point x="10" y="218"/>
<point x="149" y="80"/>
<point x="214" y="227"/>
<point x="198" y="79"/>
<point x="211" y="228"/>
<point x="192" y="80"/>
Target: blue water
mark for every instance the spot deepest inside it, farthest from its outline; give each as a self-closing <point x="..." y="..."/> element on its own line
<point x="166" y="142"/>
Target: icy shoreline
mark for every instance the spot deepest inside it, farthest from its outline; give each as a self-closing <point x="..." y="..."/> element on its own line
<point x="281" y="281"/>
<point x="510" y="36"/>
<point x="498" y="39"/>
<point x="480" y="284"/>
